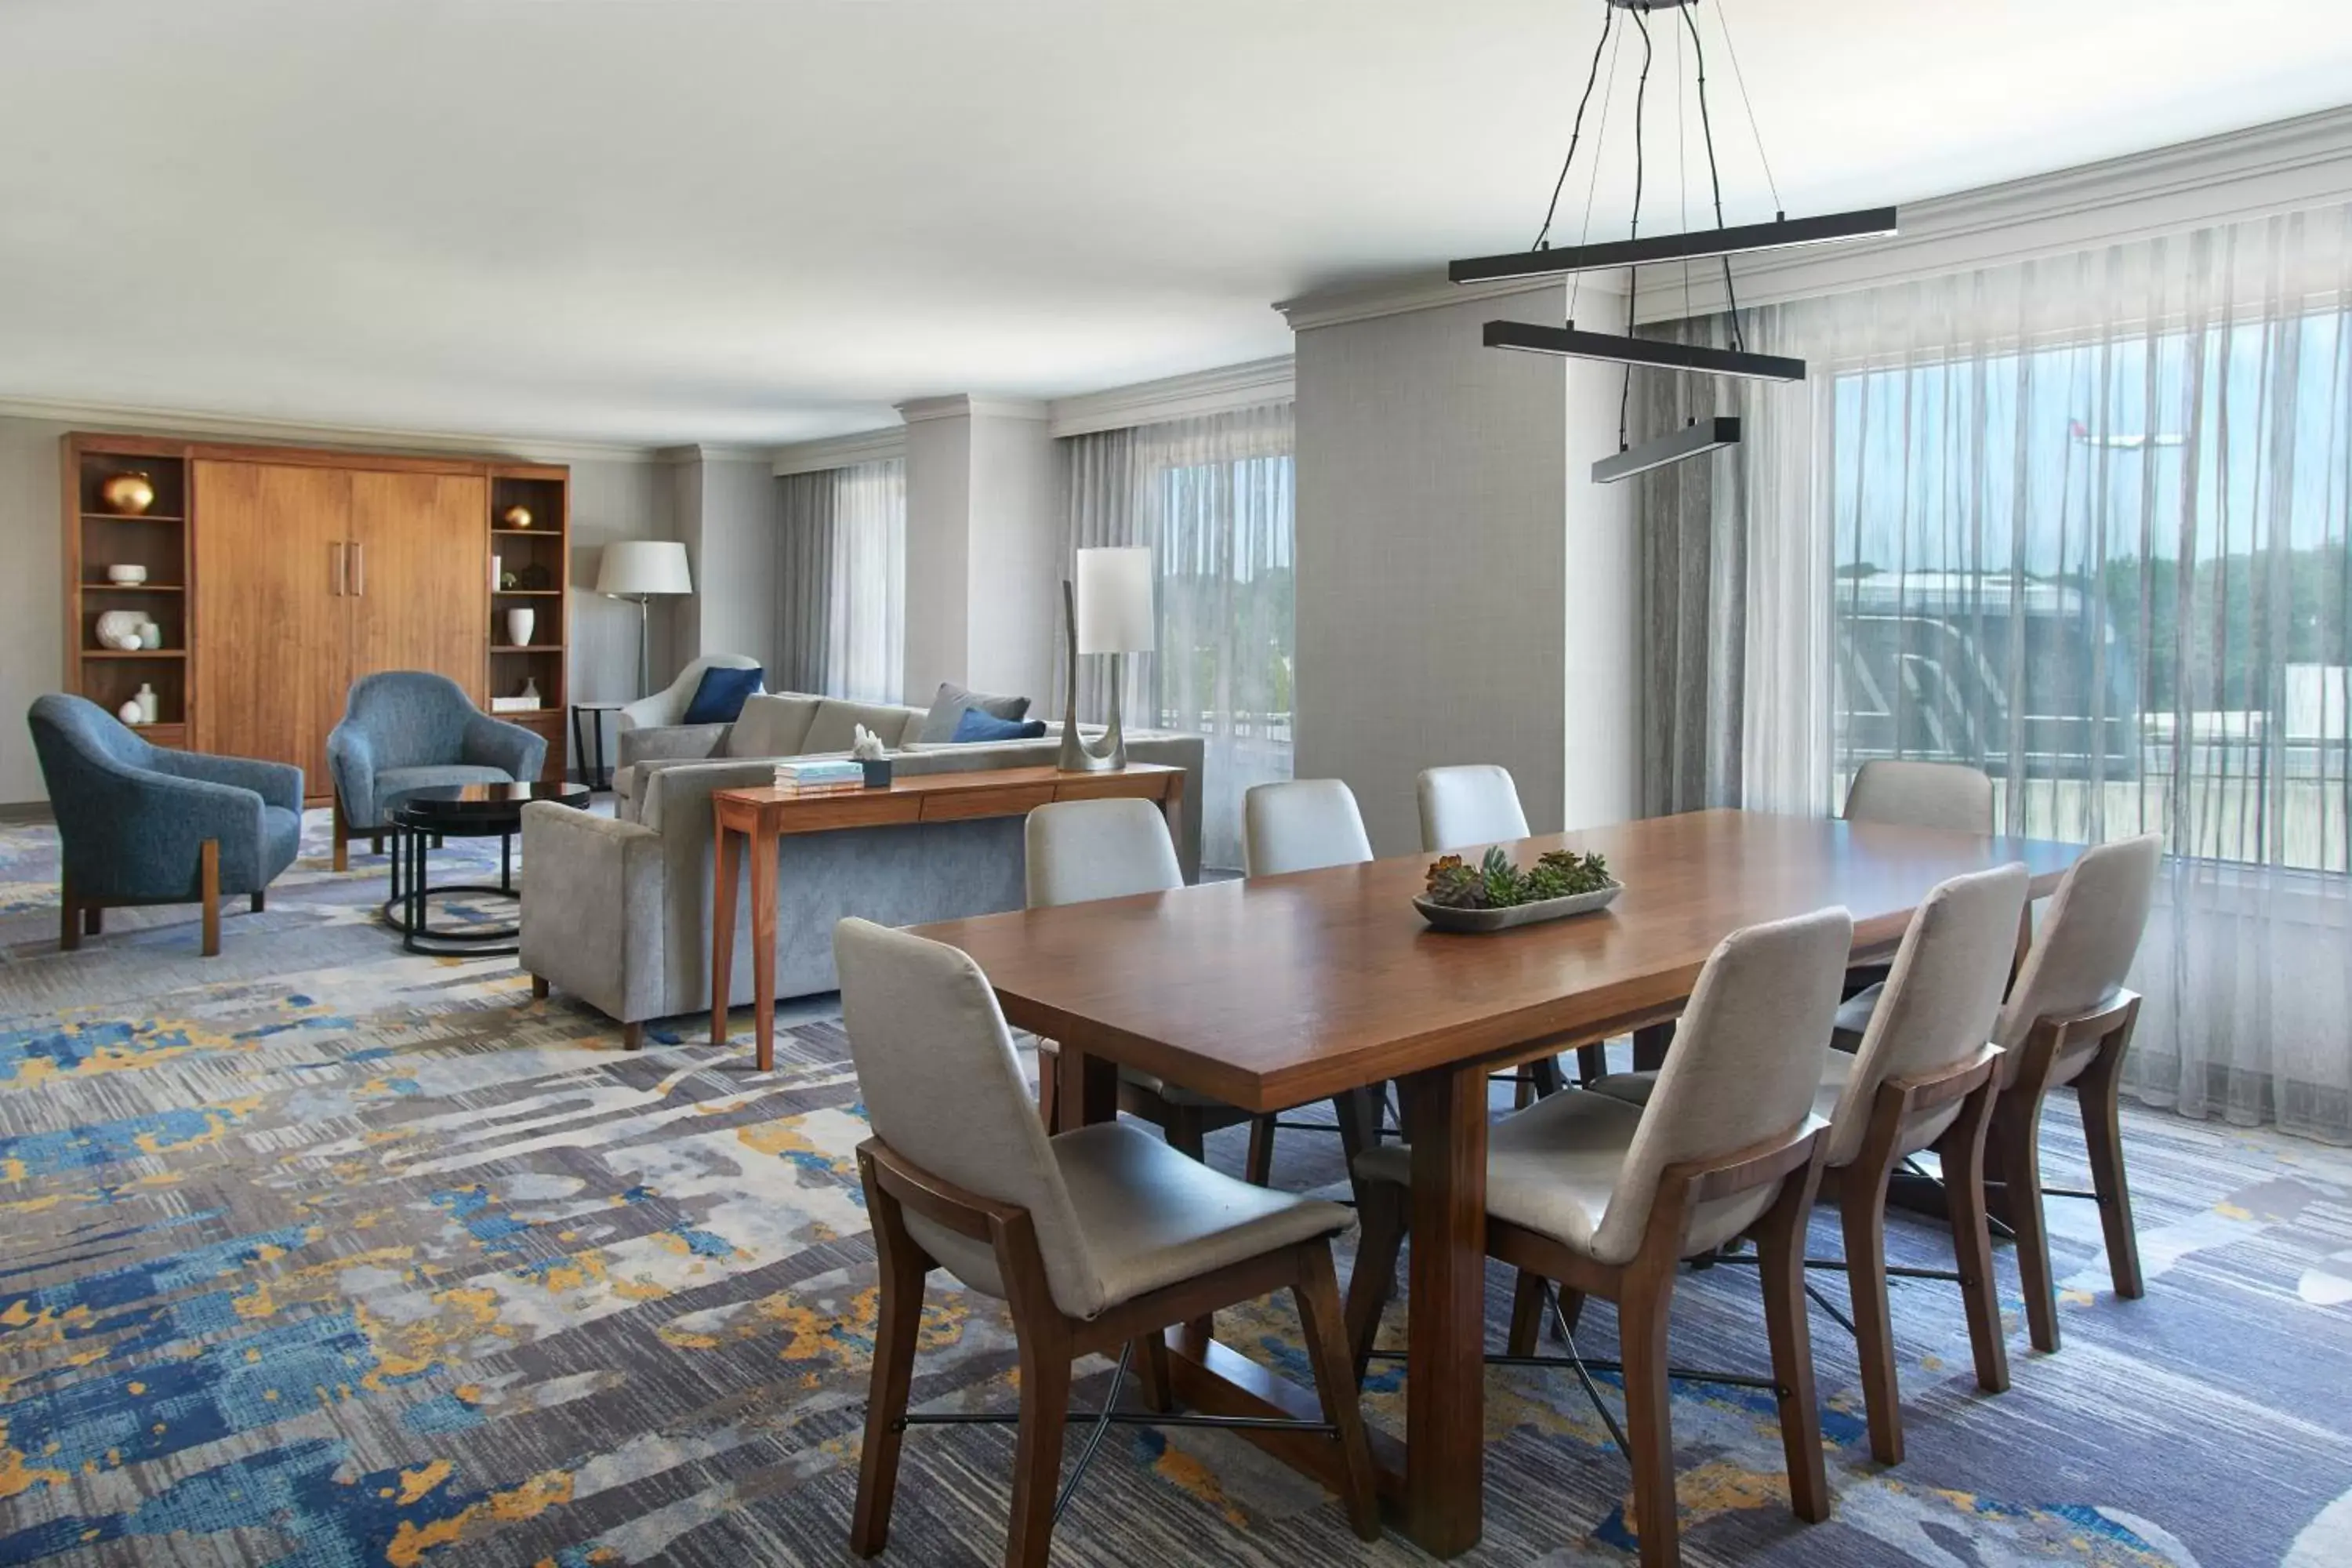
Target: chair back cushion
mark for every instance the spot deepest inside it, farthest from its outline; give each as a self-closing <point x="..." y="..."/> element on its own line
<point x="834" y="725"/>
<point x="1938" y="1006"/>
<point x="1080" y="851"/>
<point x="718" y="696"/>
<point x="2088" y="937"/>
<point x="943" y="1088"/>
<point x="1474" y="803"/>
<point x="1921" y="795"/>
<point x="771" y="725"/>
<point x="1301" y="825"/>
<point x="70" y="732"/>
<point x="1745" y="1066"/>
<point x="412" y="718"/>
<point x="948" y="707"/>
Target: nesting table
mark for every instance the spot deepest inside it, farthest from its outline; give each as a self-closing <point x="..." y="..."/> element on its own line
<point x="421" y="816"/>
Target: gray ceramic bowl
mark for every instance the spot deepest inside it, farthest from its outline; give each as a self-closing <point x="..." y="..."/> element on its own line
<point x="1446" y="917"/>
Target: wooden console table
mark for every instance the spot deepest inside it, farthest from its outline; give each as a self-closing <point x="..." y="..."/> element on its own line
<point x="763" y="816"/>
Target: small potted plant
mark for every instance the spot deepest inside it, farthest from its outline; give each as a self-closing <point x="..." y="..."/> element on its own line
<point x="867" y="747"/>
<point x="1495" y="895"/>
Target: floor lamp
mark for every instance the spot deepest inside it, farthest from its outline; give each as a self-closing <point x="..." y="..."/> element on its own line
<point x="639" y="568"/>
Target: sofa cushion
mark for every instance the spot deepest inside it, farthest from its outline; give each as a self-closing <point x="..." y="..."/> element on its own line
<point x="953" y="701"/>
<point x="772" y="726"/>
<point x="393" y="782"/>
<point x="835" y="728"/>
<point x="979" y="725"/>
<point x="721" y="696"/>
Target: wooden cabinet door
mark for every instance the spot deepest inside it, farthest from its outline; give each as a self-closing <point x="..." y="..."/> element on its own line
<point x="421" y="575"/>
<point x="272" y="615"/>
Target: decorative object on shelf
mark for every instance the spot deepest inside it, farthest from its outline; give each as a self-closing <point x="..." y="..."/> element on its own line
<point x="151" y="707"/>
<point x="1107" y="610"/>
<point x="126" y="576"/>
<point x="520" y="624"/>
<point x="867" y="747"/>
<point x="1495" y="895"/>
<point x="133" y="712"/>
<point x="115" y="625"/>
<point x="530" y="690"/>
<point x="128" y="495"/>
<point x="509" y="581"/>
<point x="150" y="635"/>
<point x="639" y="569"/>
<point x="513" y="704"/>
<point x="534" y="576"/>
<point x="516" y="516"/>
<point x="1721" y="243"/>
<point x="498" y="574"/>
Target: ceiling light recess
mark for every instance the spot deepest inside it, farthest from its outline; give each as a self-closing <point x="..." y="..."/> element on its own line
<point x="1699" y="436"/>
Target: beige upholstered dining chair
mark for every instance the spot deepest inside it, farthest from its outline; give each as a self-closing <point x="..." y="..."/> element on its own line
<point x="1921" y="795"/>
<point x="1098" y="1239"/>
<point x="1923" y="1075"/>
<point x="1301" y="825"/>
<point x="1080" y="851"/>
<point x="1606" y="1198"/>
<point x="1473" y="803"/>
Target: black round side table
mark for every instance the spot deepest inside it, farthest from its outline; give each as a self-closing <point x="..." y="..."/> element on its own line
<point x="420" y="816"/>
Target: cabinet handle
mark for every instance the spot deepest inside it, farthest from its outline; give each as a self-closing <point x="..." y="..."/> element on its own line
<point x="336" y="577"/>
<point x="359" y="570"/>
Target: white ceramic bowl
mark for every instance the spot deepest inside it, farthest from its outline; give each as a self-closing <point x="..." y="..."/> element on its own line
<point x="129" y="576"/>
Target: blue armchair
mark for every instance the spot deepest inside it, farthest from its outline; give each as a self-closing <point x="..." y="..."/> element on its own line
<point x="145" y="825"/>
<point x="407" y="729"/>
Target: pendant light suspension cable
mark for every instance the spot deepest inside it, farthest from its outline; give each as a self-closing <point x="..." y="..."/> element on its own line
<point x="1634" y="274"/>
<point x="1714" y="175"/>
<point x="1740" y="81"/>
<point x="1576" y="131"/>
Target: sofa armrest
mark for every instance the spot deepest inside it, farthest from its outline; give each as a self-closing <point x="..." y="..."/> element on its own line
<point x="495" y="744"/>
<point x="278" y="783"/>
<point x="690" y="742"/>
<point x="156" y="823"/>
<point x="658" y="711"/>
<point x="592" y="922"/>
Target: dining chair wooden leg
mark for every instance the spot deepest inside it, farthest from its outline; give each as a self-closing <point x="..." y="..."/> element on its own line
<point x="1049" y="1084"/>
<point x="1549" y="1080"/>
<point x="898" y="1320"/>
<point x="2017" y="1137"/>
<point x="1523" y="1093"/>
<point x="2098" y="1090"/>
<point x="1591" y="1062"/>
<point x="1152" y="1370"/>
<point x="1044" y="1358"/>
<point x="1961" y="1150"/>
<point x="1380" y="1237"/>
<point x="1526" y="1313"/>
<point x="1781" y="1252"/>
<point x="1317" y="1291"/>
<point x="1258" y="1169"/>
<point x="1649" y="1423"/>
<point x="1862" y="1207"/>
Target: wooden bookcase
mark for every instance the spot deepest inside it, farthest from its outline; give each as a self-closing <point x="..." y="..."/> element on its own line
<point x="536" y="558"/>
<point x="98" y="537"/>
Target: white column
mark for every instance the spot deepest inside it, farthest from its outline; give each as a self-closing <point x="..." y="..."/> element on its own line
<point x="983" y="547"/>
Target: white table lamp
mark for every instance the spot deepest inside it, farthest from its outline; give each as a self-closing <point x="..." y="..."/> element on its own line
<point x="1108" y="610"/>
<point x="639" y="568"/>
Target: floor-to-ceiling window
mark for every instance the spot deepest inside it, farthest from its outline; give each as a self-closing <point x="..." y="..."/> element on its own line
<point x="1214" y="497"/>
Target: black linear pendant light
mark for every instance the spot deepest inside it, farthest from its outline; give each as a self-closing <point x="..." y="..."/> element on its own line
<point x="1721" y="242"/>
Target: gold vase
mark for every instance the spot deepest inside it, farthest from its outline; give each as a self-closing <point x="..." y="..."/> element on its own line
<point x="516" y="516"/>
<point x="127" y="494"/>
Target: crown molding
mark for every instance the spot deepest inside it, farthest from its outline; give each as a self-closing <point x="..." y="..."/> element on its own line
<point x="2257" y="173"/>
<point x="702" y="452"/>
<point x="130" y="419"/>
<point x="839" y="452"/>
<point x="964" y="405"/>
<point x="1427" y="290"/>
<point x="1219" y="391"/>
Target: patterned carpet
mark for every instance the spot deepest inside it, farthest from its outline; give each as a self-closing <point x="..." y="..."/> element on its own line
<point x="320" y="1254"/>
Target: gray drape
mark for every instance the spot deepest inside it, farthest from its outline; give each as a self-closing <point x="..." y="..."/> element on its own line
<point x="804" y="576"/>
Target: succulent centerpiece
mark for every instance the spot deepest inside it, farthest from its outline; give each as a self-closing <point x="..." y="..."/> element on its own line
<point x="1495" y="894"/>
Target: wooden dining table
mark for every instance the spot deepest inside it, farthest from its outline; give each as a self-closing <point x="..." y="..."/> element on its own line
<point x="1277" y="991"/>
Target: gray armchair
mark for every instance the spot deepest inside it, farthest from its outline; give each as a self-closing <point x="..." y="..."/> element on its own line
<point x="407" y="729"/>
<point x="145" y="825"/>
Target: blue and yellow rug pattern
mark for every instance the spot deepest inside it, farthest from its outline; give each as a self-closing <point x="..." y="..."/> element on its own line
<point x="317" y="1253"/>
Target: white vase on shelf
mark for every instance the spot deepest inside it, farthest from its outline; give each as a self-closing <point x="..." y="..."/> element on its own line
<point x="518" y="626"/>
<point x="132" y="712"/>
<point x="151" y="707"/>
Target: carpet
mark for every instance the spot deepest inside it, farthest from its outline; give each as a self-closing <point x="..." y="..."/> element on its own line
<point x="317" y="1253"/>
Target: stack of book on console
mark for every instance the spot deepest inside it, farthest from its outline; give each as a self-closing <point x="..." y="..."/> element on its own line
<point x="820" y="773"/>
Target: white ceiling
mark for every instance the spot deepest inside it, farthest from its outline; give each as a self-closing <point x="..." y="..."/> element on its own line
<point x="762" y="220"/>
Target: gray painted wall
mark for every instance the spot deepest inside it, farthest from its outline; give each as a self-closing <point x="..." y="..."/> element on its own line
<point x="939" y="555"/>
<point x="1464" y="594"/>
<point x="612" y="497"/>
<point x="1016" y="560"/>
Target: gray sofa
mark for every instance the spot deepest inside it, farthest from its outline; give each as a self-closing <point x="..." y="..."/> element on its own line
<point x="616" y="911"/>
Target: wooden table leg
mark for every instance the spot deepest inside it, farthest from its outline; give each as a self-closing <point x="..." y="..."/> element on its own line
<point x="722" y="932"/>
<point x="1445" y="1374"/>
<point x="761" y="846"/>
<point x="1088" y="1090"/>
<point x="1650" y="1044"/>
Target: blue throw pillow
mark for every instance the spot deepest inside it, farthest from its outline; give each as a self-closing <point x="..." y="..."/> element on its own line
<point x="977" y="725"/>
<point x="720" y="697"/>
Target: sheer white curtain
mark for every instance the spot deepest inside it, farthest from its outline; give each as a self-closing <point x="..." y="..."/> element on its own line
<point x="842" y="607"/>
<point x="1212" y="497"/>
<point x="2086" y="522"/>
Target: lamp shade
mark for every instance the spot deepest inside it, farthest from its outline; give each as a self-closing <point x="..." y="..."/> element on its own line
<point x="637" y="566"/>
<point x="1115" y="600"/>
